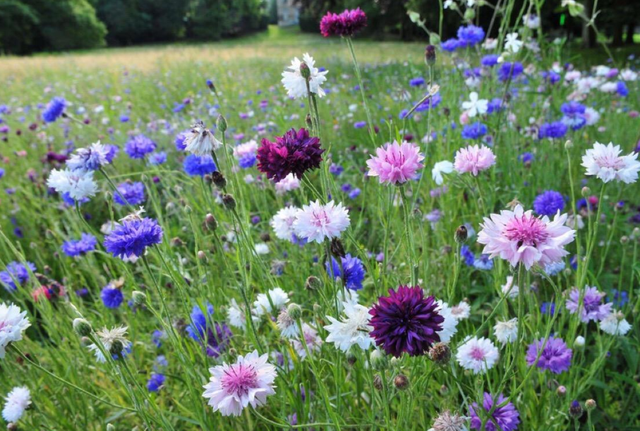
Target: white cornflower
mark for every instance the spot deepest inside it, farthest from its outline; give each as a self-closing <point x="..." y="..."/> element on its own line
<point x="462" y="310"/>
<point x="114" y="338"/>
<point x="605" y="162"/>
<point x="288" y="183"/>
<point x="490" y="44"/>
<point x="78" y="184"/>
<point x="236" y="315"/>
<point x="352" y="329"/>
<point x="512" y="43"/>
<point x="16" y="402"/>
<point x="506" y="332"/>
<point x="628" y="75"/>
<point x="477" y="355"/>
<point x="296" y="84"/>
<point x="591" y="115"/>
<point x="449" y="326"/>
<point x="615" y="324"/>
<point x="282" y="223"/>
<point x="317" y="222"/>
<point x="443" y="167"/>
<point x="13" y="322"/>
<point x="287" y="326"/>
<point x="509" y="288"/>
<point x="261" y="248"/>
<point x="311" y="339"/>
<point x="532" y="21"/>
<point x="89" y="159"/>
<point x="270" y="302"/>
<point x="200" y="141"/>
<point x="475" y="106"/>
<point x="447" y="421"/>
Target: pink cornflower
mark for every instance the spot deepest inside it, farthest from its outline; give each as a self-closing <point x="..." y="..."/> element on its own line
<point x="520" y="237"/>
<point x="395" y="163"/>
<point x="247" y="382"/>
<point x="474" y="159"/>
<point x="317" y="222"/>
<point x="345" y="24"/>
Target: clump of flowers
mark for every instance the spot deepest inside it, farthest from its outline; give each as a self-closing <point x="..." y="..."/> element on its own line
<point x="214" y="337"/>
<point x="295" y="152"/>
<point x="406" y="321"/>
<point x="345" y="24"/>
<point x="474" y="159"/>
<point x="395" y="163"/>
<point x="606" y="163"/>
<point x="555" y="356"/>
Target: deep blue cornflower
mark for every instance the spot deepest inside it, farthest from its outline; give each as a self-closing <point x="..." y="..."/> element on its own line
<point x="202" y="328"/>
<point x="2" y="171"/>
<point x="155" y="383"/>
<point x="246" y="161"/>
<point x="431" y="102"/>
<point x="77" y="247"/>
<point x="548" y="308"/>
<point x="551" y="77"/>
<point x="417" y="82"/>
<point x="157" y="158"/>
<point x="139" y="146"/>
<point x="548" y="203"/>
<point x="489" y="60"/>
<point x="403" y="114"/>
<point x="335" y="169"/>
<point x="554" y="130"/>
<point x="619" y="298"/>
<point x="198" y="165"/>
<point x="112" y="152"/>
<point x="177" y="107"/>
<point x="474" y="72"/>
<point x="622" y="89"/>
<point x="467" y="255"/>
<point x="526" y="157"/>
<point x="354" y="193"/>
<point x="574" y="116"/>
<point x="130" y="240"/>
<point x="353" y="271"/>
<point x="510" y="70"/>
<point x="346" y="187"/>
<point x="470" y="35"/>
<point x="111" y="297"/>
<point x="474" y="131"/>
<point x="180" y="138"/>
<point x="54" y="109"/>
<point x="15" y="272"/>
<point x="132" y="192"/>
<point x="450" y="45"/>
<point x="124" y="118"/>
<point x="360" y="124"/>
<point x="495" y="105"/>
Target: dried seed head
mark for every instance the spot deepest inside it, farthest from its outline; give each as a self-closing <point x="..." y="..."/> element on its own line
<point x="440" y="353"/>
<point x="401" y="382"/>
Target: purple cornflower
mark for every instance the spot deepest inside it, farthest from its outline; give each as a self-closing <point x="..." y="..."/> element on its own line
<point x="495" y="105"/>
<point x="406" y="321"/>
<point x="54" y="109"/>
<point x="346" y="24"/>
<point x="555" y="356"/>
<point x="474" y="131"/>
<point x="621" y="89"/>
<point x="130" y="240"/>
<point x="510" y="70"/>
<point x="489" y="60"/>
<point x="112" y="152"/>
<point x="505" y="418"/>
<point x="470" y="35"/>
<point x="133" y="193"/>
<point x="77" y="247"/>
<point x="548" y="203"/>
<point x="112" y="297"/>
<point x="353" y="271"/>
<point x="202" y="330"/>
<point x="450" y="45"/>
<point x="294" y="152"/>
<point x="574" y="115"/>
<point x="180" y="138"/>
<point x="554" y="130"/>
<point x="335" y="169"/>
<point x="155" y="383"/>
<point x="591" y="305"/>
<point x="15" y="272"/>
<point x="139" y="146"/>
<point x="551" y="77"/>
<point x="198" y="165"/>
<point x="416" y="82"/>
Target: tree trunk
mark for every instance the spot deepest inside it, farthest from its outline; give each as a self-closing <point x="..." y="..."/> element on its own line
<point x="617" y="35"/>
<point x="630" y="32"/>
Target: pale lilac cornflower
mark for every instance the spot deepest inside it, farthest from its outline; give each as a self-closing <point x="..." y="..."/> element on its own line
<point x="606" y="163"/>
<point x="474" y="159"/>
<point x="317" y="222"/>
<point x="590" y="304"/>
<point x="615" y="324"/>
<point x="311" y="339"/>
<point x="395" y="163"/>
<point x="520" y="237"/>
<point x="478" y="355"/>
<point x="16" y="403"/>
<point x="282" y="223"/>
<point x="287" y="184"/>
<point x="13" y="322"/>
<point x="233" y="387"/>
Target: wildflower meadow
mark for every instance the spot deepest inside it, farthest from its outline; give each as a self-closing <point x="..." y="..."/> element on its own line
<point x="324" y="232"/>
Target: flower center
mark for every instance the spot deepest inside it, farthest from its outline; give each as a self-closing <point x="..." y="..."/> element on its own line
<point x="477" y="353"/>
<point x="320" y="219"/>
<point x="239" y="379"/>
<point x="526" y="230"/>
<point x="610" y="161"/>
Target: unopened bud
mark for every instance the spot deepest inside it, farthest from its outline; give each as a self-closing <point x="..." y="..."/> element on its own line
<point x="110" y="427"/>
<point x="337" y="249"/>
<point x="440" y="353"/>
<point x="430" y="55"/>
<point x="378" y="382"/>
<point x="401" y="382"/>
<point x="586" y="191"/>
<point x="579" y="341"/>
<point x="624" y="239"/>
<point x="444" y="390"/>
<point x="309" y="121"/>
<point x="590" y="405"/>
<point x="305" y="71"/>
<point x="469" y="14"/>
<point x="378" y="360"/>
<point x="116" y="347"/>
<point x="219" y="180"/>
<point x="222" y="123"/>
<point x="294" y="311"/>
<point x="229" y="201"/>
<point x="569" y="144"/>
<point x="201" y="255"/>
<point x="461" y="234"/>
<point x="139" y="298"/>
<point x="575" y="410"/>
<point x="211" y="85"/>
<point x="176" y="242"/>
<point x="313" y="283"/>
<point x="351" y="358"/>
<point x="210" y="222"/>
<point x="561" y="391"/>
<point x="82" y="327"/>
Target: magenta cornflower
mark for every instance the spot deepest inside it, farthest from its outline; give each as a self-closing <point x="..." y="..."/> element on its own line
<point x="555" y="356"/>
<point x="346" y="24"/>
<point x="406" y="321"/>
<point x="474" y="159"/>
<point x="590" y="304"/>
<point x="295" y="152"/>
<point x="520" y="237"/>
<point x="505" y="418"/>
<point x="395" y="163"/>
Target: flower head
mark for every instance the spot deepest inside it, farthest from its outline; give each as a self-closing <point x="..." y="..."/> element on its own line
<point x="512" y="43"/>
<point x="296" y="84"/>
<point x="132" y="192"/>
<point x="317" y="222"/>
<point x="395" y="163"/>
<point x="139" y="146"/>
<point x="406" y="321"/>
<point x="590" y="304"/>
<point x="510" y="70"/>
<point x="16" y="402"/>
<point x="548" y="203"/>
<point x="271" y="302"/>
<point x="200" y="140"/>
<point x="474" y="105"/>
<point x="477" y="355"/>
<point x="505" y="418"/>
<point x="353" y="271"/>
<point x="89" y="159"/>
<point x="553" y="130"/>
<point x="114" y="342"/>
<point x="54" y="109"/>
<point x="13" y="322"/>
<point x="111" y="296"/>
<point x="199" y="165"/>
<point x="77" y="247"/>
<point x="77" y="184"/>
<point x="615" y="324"/>
<point x="282" y="223"/>
<point x="447" y="421"/>
<point x="519" y="237"/>
<point x="247" y="382"/>
<point x="606" y="163"/>
<point x="132" y="237"/>
<point x="16" y="272"/>
<point x="470" y="35"/>
<point x="506" y="331"/>
<point x="555" y="356"/>
<point x="352" y="329"/>
<point x="474" y="159"/>
<point x="346" y="24"/>
<point x="295" y="152"/>
<point x="443" y="167"/>
<point x="474" y="131"/>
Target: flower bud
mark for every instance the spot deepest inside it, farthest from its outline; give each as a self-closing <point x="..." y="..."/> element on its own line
<point x="222" y="123"/>
<point x="378" y="382"/>
<point x="469" y="14"/>
<point x="219" y="180"/>
<point x="210" y="222"/>
<point x="579" y="342"/>
<point x="313" y="283"/>
<point x="586" y="191"/>
<point x="305" y="71"/>
<point x="211" y="85"/>
<point x="561" y="391"/>
<point x="440" y="353"/>
<point x="309" y="121"/>
<point x="351" y="357"/>
<point x="116" y="347"/>
<point x="401" y="382"/>
<point x="378" y="360"/>
<point x="110" y="427"/>
<point x="575" y="410"/>
<point x="569" y="144"/>
<point x="82" y="327"/>
<point x="461" y="234"/>
<point x="430" y="55"/>
<point x="294" y="311"/>
<point x="444" y="390"/>
<point x="139" y="298"/>
<point x="201" y="255"/>
<point x="229" y="201"/>
<point x="337" y="249"/>
<point x="590" y="405"/>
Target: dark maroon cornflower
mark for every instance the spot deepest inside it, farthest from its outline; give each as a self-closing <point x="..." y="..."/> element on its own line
<point x="347" y="23"/>
<point x="406" y="321"/>
<point x="295" y="152"/>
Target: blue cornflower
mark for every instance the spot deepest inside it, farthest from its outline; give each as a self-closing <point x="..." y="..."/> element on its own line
<point x="495" y="105"/>
<point x="622" y="89"/>
<point x="180" y="138"/>
<point x="124" y="118"/>
<point x="548" y="203"/>
<point x="619" y="298"/>
<point x="247" y="160"/>
<point x="111" y="297"/>
<point x="450" y="45"/>
<point x="157" y="158"/>
<point x="467" y="255"/>
<point x="554" y="130"/>
<point x="2" y="171"/>
<point x="335" y="169"/>
<point x="484" y="262"/>
<point x="510" y="70"/>
<point x="132" y="192"/>
<point x="67" y="199"/>
<point x="526" y="157"/>
<point x="470" y="35"/>
<point x="353" y="271"/>
<point x="139" y="146"/>
<point x="431" y="102"/>
<point x="354" y="193"/>
<point x="77" y="247"/>
<point x="15" y="272"/>
<point x="474" y="131"/>
<point x="129" y="240"/>
<point x="554" y="268"/>
<point x="198" y="165"/>
<point x="201" y="330"/>
<point x="360" y="124"/>
<point x="489" y="60"/>
<point x="417" y="82"/>
<point x="550" y="76"/>
<point x="160" y="363"/>
<point x="112" y="152"/>
<point x="548" y="308"/>
<point x="157" y="336"/>
<point x="89" y="159"/>
<point x="54" y="109"/>
<point x="156" y="381"/>
<point x="574" y="116"/>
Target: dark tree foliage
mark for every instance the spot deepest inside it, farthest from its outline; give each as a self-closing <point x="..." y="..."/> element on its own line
<point x="214" y="19"/>
<point x="18" y="23"/>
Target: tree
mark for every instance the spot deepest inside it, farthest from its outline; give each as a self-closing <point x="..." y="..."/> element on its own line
<point x="18" y="23"/>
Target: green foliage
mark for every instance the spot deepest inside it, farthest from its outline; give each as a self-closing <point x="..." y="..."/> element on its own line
<point x="214" y="19"/>
<point x="18" y="23"/>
